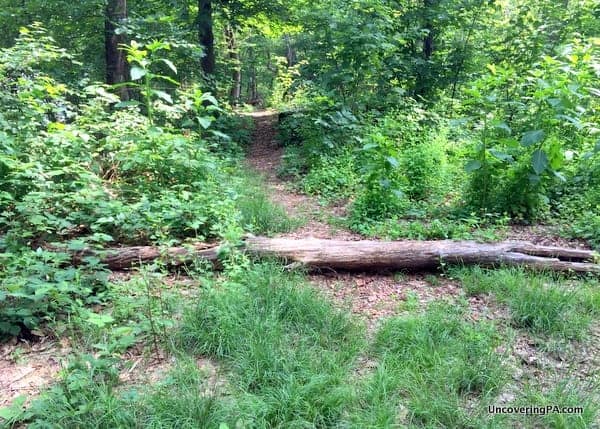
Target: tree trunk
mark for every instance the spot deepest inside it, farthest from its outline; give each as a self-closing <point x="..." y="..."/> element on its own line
<point x="368" y="255"/>
<point x="423" y="74"/>
<point x="252" y="89"/>
<point x="117" y="70"/>
<point x="290" y="52"/>
<point x="206" y="36"/>
<point x="236" y="71"/>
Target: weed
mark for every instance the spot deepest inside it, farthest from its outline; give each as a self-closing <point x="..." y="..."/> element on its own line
<point x="432" y="280"/>
<point x="410" y="302"/>
<point x="258" y="213"/>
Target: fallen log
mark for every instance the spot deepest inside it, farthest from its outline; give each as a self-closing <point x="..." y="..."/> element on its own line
<point x="366" y="255"/>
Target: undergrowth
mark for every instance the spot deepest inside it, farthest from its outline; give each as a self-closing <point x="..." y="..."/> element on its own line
<point x="286" y="357"/>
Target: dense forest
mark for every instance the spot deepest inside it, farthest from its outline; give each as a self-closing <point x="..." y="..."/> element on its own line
<point x="292" y="214"/>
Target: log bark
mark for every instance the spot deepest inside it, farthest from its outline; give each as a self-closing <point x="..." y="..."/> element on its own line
<point x="368" y="255"/>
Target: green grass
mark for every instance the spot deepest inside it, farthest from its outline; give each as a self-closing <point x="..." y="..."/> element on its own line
<point x="290" y="353"/>
<point x="543" y="304"/>
<point x="288" y="358"/>
<point x="430" y="366"/>
<point x="87" y="396"/>
<point x="258" y="213"/>
<point x="565" y="394"/>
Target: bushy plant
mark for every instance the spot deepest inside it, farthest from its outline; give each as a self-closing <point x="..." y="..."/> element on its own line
<point x="333" y="177"/>
<point x="403" y="159"/>
<point x="98" y="172"/>
<point x="523" y="140"/>
<point x="38" y="286"/>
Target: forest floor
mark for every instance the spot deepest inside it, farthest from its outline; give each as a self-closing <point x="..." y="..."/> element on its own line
<point x="370" y="295"/>
<point x="377" y="296"/>
<point x="543" y="370"/>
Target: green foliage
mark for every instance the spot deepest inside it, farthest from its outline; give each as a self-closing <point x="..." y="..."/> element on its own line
<point x="524" y="137"/>
<point x="38" y="286"/>
<point x="100" y="172"/>
<point x="258" y="213"/>
<point x="88" y="395"/>
<point x="402" y="161"/>
<point x="332" y="177"/>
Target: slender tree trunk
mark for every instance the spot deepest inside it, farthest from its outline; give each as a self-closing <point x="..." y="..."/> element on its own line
<point x="206" y="36"/>
<point x="290" y="52"/>
<point x="461" y="61"/>
<point x="422" y="84"/>
<point x="236" y="71"/>
<point x="117" y="69"/>
<point x="252" y="84"/>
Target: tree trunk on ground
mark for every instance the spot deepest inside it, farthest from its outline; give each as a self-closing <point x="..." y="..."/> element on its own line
<point x="206" y="36"/>
<point x="368" y="255"/>
<point x="117" y="70"/>
<point x="236" y="73"/>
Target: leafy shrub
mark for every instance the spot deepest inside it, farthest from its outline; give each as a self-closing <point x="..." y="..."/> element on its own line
<point x="402" y="160"/>
<point x="98" y="172"/>
<point x="523" y="141"/>
<point x="39" y="286"/>
<point x="332" y="177"/>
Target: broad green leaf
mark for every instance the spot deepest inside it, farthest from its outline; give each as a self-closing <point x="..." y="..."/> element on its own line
<point x="539" y="161"/>
<point x="559" y="176"/>
<point x="220" y="135"/>
<point x="501" y="156"/>
<point x="163" y="95"/>
<point x="210" y="98"/>
<point x="503" y="126"/>
<point x="393" y="161"/>
<point x="137" y="73"/>
<point x="532" y="137"/>
<point x="127" y="104"/>
<point x="99" y="320"/>
<point x="204" y="121"/>
<point x="473" y="165"/>
<point x="170" y="65"/>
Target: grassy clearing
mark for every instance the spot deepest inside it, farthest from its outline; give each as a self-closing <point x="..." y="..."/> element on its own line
<point x="288" y="358"/>
<point x="289" y="352"/>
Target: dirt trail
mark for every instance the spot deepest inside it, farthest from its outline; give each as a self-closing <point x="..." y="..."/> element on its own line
<point x="369" y="295"/>
<point x="265" y="157"/>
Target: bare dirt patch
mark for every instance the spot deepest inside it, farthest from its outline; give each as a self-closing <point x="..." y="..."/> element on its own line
<point x="543" y="235"/>
<point x="376" y="296"/>
<point x="27" y="368"/>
